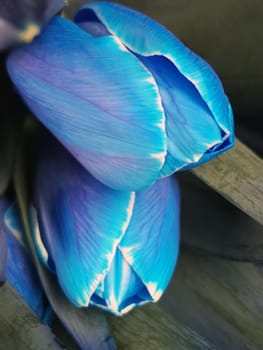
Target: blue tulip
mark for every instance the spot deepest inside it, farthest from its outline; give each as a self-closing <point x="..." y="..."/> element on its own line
<point x="113" y="249"/>
<point x="123" y="95"/>
<point x="19" y="270"/>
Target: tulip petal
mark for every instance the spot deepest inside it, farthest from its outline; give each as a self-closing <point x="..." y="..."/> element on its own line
<point x="98" y="99"/>
<point x="151" y="242"/>
<point x="81" y="221"/>
<point x="122" y="289"/>
<point x="21" y="273"/>
<point x="189" y="121"/>
<point x="199" y="119"/>
<point x="147" y="254"/>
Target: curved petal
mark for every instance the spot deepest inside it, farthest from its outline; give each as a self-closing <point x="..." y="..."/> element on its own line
<point x="199" y="118"/>
<point x="151" y="242"/>
<point x="97" y="99"/>
<point x="81" y="221"/>
<point x="147" y="254"/>
<point x="20" y="272"/>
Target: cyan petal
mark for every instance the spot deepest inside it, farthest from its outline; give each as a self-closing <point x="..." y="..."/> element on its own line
<point x="98" y="99"/>
<point x="21" y="273"/>
<point x="151" y="242"/>
<point x="147" y="254"/>
<point x="81" y="221"/>
<point x="190" y="126"/>
<point x="191" y="91"/>
<point x="122" y="289"/>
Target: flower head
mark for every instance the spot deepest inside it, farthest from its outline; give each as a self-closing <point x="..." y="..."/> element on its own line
<point x="123" y="95"/>
<point x="113" y="249"/>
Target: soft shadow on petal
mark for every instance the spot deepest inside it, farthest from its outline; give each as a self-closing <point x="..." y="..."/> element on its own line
<point x="98" y="99"/>
<point x="20" y="271"/>
<point x="81" y="221"/>
<point x="173" y="64"/>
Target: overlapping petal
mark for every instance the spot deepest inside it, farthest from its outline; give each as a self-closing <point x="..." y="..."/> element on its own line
<point x="199" y="121"/>
<point x="98" y="99"/>
<point x="81" y="221"/>
<point x="113" y="249"/>
<point x="20" y="271"/>
<point x="147" y="254"/>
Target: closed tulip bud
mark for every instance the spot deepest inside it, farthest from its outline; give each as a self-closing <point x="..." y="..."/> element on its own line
<point x="113" y="249"/>
<point x="123" y="95"/>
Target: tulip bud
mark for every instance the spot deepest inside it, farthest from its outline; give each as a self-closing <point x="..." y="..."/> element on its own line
<point x="123" y="95"/>
<point x="113" y="249"/>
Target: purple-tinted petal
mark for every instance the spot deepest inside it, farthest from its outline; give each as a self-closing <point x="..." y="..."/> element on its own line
<point x="81" y="221"/>
<point x="98" y="99"/>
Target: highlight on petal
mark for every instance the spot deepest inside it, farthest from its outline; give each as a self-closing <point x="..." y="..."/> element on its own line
<point x="81" y="221"/>
<point x="108" y="248"/>
<point x="98" y="99"/>
<point x="147" y="254"/>
<point x="22" y="20"/>
<point x="20" y="271"/>
<point x="199" y="120"/>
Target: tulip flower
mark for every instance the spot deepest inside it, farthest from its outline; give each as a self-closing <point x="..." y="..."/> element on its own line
<point x="113" y="249"/>
<point x="21" y="21"/>
<point x="123" y="95"/>
<point x="19" y="270"/>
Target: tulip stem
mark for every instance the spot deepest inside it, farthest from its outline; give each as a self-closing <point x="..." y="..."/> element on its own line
<point x="237" y="175"/>
<point x="20" y="327"/>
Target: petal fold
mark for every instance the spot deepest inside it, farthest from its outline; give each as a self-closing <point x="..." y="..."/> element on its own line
<point x="98" y="99"/>
<point x="199" y="120"/>
<point x="146" y="256"/>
